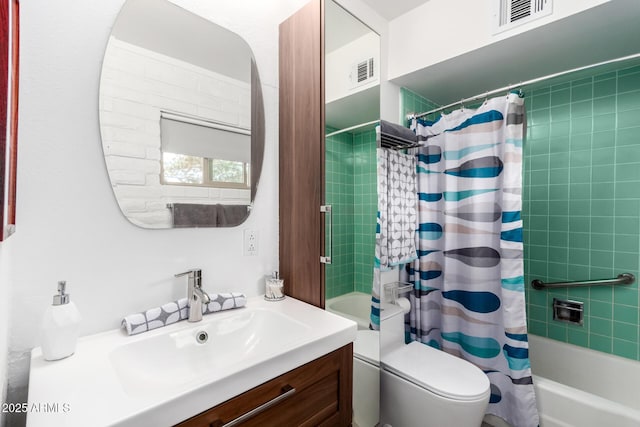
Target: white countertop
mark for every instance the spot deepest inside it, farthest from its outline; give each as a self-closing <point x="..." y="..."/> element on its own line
<point x="87" y="389"/>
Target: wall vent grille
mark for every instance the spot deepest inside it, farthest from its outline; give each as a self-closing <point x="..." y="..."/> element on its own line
<point x="362" y="72"/>
<point x="511" y="13"/>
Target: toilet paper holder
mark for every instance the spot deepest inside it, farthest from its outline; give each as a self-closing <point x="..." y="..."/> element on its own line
<point x="395" y="289"/>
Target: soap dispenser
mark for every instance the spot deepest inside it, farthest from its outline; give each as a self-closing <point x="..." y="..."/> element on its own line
<point x="60" y="326"/>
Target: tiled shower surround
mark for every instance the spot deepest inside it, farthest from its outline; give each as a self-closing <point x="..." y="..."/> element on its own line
<point x="350" y="176"/>
<point x="412" y="103"/>
<point x="581" y="204"/>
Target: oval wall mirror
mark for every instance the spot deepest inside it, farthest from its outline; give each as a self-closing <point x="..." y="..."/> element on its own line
<point x="181" y="118"/>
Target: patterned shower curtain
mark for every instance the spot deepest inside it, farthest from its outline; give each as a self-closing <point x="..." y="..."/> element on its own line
<point x="468" y="297"/>
<point x="396" y="219"/>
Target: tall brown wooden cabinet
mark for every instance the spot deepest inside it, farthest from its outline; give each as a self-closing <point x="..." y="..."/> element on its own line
<point x="302" y="153"/>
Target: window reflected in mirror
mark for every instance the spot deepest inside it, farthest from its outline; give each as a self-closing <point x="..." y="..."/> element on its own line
<point x="204" y="153"/>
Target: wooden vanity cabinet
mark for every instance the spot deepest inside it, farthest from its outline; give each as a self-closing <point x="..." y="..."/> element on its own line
<point x="315" y="394"/>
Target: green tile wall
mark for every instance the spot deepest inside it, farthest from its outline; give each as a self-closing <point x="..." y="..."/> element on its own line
<point x="365" y="208"/>
<point x="581" y="206"/>
<point x="351" y="190"/>
<point x="411" y="102"/>
<point x="339" y="160"/>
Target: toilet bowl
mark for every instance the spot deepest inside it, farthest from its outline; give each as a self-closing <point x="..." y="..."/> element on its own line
<point x="426" y="387"/>
<point x="366" y="379"/>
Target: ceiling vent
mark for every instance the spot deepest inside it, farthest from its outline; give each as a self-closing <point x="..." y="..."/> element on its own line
<point x="362" y="72"/>
<point x="511" y="13"/>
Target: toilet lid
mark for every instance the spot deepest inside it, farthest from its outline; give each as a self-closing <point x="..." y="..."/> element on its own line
<point x="367" y="346"/>
<point x="437" y="371"/>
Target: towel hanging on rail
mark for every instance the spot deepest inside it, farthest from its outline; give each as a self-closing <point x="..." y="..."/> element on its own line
<point x="397" y="208"/>
<point x="395" y="136"/>
<point x="207" y="215"/>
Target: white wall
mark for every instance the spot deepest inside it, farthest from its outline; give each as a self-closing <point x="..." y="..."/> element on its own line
<point x="69" y="225"/>
<point x="449" y="28"/>
<point x="340" y="62"/>
<point x="389" y="92"/>
<point x="4" y="326"/>
<point x="136" y="85"/>
<point x="5" y="290"/>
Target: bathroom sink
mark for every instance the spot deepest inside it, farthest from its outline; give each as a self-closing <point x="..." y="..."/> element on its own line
<point x="170" y="374"/>
<point x="203" y="351"/>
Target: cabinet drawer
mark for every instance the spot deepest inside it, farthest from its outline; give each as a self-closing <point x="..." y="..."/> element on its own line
<point x="315" y="394"/>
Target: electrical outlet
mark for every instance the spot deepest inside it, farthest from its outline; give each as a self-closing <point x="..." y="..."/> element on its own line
<point x="250" y="243"/>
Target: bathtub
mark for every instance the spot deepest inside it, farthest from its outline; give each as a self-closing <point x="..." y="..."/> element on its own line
<point x="576" y="386"/>
<point x="354" y="305"/>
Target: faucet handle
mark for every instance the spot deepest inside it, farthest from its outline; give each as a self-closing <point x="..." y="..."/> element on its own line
<point x="194" y="271"/>
<point x="195" y="274"/>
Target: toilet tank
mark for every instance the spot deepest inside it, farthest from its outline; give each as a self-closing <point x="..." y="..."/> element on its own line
<point x="391" y="327"/>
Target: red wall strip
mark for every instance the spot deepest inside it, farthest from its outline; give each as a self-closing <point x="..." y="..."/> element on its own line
<point x="4" y="76"/>
<point x="13" y="116"/>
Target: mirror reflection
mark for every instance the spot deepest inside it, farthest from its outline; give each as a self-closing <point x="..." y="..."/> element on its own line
<point x="181" y="118"/>
<point x="352" y="95"/>
<point x="352" y="87"/>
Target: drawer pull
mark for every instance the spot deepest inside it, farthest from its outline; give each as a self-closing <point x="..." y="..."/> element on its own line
<point x="286" y="391"/>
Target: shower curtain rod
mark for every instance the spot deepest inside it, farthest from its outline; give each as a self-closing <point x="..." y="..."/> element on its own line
<point x="521" y="84"/>
<point x="351" y="128"/>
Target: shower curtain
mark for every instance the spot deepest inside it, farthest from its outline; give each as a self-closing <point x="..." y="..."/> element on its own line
<point x="468" y="296"/>
<point x="396" y="219"/>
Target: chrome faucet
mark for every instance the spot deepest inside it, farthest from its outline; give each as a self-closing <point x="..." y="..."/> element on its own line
<point x="195" y="295"/>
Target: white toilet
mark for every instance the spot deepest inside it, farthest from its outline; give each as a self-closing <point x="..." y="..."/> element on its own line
<point x="366" y="379"/>
<point x="425" y="387"/>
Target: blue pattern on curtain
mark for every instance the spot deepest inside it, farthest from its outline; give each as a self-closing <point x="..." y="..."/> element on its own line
<point x="468" y="297"/>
